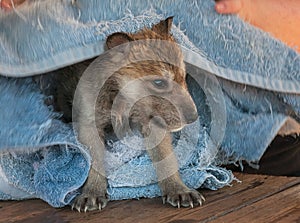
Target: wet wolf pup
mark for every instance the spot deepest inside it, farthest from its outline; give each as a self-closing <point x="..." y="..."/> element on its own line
<point x="164" y="107"/>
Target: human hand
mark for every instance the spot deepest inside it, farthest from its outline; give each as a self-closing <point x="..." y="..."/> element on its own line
<point x="10" y="4"/>
<point x="228" y="6"/>
<point x="243" y="8"/>
<point x="280" y="18"/>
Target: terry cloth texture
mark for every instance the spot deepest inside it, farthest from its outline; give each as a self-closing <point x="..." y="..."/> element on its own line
<point x="246" y="86"/>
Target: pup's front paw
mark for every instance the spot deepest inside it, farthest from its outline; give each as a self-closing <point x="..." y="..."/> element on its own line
<point x="89" y="202"/>
<point x="183" y="197"/>
<point x="93" y="196"/>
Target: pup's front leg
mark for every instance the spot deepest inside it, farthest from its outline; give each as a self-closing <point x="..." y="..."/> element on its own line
<point x="94" y="191"/>
<point x="174" y="191"/>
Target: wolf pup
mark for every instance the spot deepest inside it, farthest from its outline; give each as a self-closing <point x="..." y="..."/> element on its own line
<point x="168" y="106"/>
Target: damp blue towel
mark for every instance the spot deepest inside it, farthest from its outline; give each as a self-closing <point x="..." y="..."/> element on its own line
<point x="246" y="86"/>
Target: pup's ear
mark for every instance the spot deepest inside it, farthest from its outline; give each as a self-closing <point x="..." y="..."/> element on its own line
<point x="163" y="28"/>
<point x="117" y="39"/>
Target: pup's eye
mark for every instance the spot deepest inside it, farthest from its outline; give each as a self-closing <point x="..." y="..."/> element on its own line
<point x="160" y="83"/>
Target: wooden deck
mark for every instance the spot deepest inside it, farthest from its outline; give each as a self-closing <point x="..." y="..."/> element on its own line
<point x="258" y="198"/>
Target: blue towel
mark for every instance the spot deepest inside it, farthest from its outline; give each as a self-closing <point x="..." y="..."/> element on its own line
<point x="246" y="86"/>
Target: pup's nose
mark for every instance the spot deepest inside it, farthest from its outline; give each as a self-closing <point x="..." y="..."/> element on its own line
<point x="190" y="117"/>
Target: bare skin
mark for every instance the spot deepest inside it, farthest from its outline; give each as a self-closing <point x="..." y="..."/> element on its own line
<point x="10" y="4"/>
<point x="281" y="18"/>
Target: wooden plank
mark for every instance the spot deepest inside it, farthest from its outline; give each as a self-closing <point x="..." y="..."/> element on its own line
<point x="280" y="207"/>
<point x="250" y="191"/>
<point x="219" y="204"/>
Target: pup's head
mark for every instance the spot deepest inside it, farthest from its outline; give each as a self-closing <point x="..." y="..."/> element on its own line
<point x="155" y="88"/>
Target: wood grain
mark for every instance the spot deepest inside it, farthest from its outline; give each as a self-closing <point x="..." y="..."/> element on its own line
<point x="282" y="206"/>
<point x="258" y="198"/>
